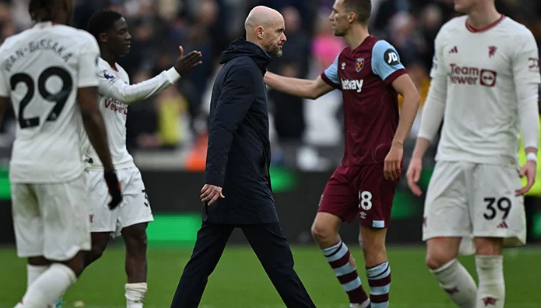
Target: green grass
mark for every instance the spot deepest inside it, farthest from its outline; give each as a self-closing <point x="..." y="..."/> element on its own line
<point x="239" y="281"/>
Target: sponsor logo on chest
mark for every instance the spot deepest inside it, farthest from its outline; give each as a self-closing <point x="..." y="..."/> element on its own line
<point x="116" y="106"/>
<point x="468" y="75"/>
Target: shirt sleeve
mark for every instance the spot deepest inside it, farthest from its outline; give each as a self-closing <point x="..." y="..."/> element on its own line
<point x="386" y="62"/>
<point x="434" y="106"/>
<point x="526" y="79"/>
<point x="88" y="63"/>
<point x="526" y="59"/>
<point x="111" y="86"/>
<point x="330" y="75"/>
<point x="5" y="89"/>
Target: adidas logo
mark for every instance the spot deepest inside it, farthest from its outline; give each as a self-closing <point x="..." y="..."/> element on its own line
<point x="502" y="225"/>
<point x="454" y="50"/>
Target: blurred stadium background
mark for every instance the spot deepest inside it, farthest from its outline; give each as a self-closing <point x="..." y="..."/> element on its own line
<point x="167" y="136"/>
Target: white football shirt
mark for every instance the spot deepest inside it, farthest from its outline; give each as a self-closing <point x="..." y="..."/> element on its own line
<point x="485" y="83"/>
<point x="41" y="70"/>
<point x="115" y="94"/>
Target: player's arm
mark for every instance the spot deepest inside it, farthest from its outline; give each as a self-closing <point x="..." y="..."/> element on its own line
<point x="386" y="64"/>
<point x="87" y="98"/>
<point x="311" y="89"/>
<point x="234" y="102"/>
<point x="5" y="92"/>
<point x="526" y="79"/>
<point x="431" y="118"/>
<point x="111" y="86"/>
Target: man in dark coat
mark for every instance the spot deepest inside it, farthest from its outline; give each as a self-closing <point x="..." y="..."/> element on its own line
<point x="238" y="191"/>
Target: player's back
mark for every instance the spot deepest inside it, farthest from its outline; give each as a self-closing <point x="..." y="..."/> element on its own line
<point x="482" y="69"/>
<point x="40" y="72"/>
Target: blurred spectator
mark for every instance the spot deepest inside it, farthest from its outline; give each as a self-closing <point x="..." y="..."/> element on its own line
<point x="177" y="118"/>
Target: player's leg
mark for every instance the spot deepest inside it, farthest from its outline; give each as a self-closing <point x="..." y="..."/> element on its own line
<point x="66" y="232"/>
<point x="338" y="203"/>
<point x="446" y="222"/>
<point x="135" y="238"/>
<point x="498" y="218"/>
<point x="133" y="219"/>
<point x="273" y="251"/>
<point x="209" y="246"/>
<point x="28" y="226"/>
<point x="103" y="221"/>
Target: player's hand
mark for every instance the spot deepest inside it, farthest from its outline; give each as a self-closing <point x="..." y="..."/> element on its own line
<point x="211" y="194"/>
<point x="393" y="162"/>
<point x="114" y="189"/>
<point x="414" y="174"/>
<point x="185" y="65"/>
<point x="529" y="170"/>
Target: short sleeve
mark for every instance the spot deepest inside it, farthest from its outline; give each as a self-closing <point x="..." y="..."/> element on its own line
<point x="330" y="75"/>
<point x="88" y="63"/>
<point x="386" y="62"/>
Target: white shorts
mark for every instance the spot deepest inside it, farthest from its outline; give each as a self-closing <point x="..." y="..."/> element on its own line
<point x="475" y="200"/>
<point x="51" y="220"/>
<point x="134" y="209"/>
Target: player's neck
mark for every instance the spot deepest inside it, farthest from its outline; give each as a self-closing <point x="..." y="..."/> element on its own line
<point x="483" y="16"/>
<point x="356" y="36"/>
<point x="109" y="57"/>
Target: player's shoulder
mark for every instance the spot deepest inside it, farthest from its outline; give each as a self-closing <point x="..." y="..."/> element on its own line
<point x="520" y="32"/>
<point x="454" y="25"/>
<point x="15" y="40"/>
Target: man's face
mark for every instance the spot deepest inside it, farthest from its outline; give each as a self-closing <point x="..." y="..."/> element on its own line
<point x="119" y="38"/>
<point x="465" y="6"/>
<point x="339" y="18"/>
<point x="274" y="37"/>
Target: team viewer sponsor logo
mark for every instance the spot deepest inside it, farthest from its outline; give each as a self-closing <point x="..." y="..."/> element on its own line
<point x="473" y="76"/>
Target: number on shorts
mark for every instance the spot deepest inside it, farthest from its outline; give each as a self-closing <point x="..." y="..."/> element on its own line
<point x="502" y="204"/>
<point x="366" y="200"/>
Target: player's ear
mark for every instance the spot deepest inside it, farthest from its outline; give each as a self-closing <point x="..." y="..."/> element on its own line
<point x="103" y="38"/>
<point x="352" y="17"/>
<point x="259" y="31"/>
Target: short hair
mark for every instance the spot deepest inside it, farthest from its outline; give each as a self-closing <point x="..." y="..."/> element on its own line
<point x="35" y="5"/>
<point x="362" y="8"/>
<point x="102" y="21"/>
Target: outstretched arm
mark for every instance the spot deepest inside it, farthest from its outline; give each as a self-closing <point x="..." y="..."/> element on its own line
<point x="113" y="87"/>
<point x="311" y="89"/>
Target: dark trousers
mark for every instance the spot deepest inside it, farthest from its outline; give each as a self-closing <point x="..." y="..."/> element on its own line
<point x="271" y="248"/>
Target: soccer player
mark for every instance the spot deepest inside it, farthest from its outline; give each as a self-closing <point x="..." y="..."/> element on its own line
<point x="49" y="73"/>
<point x="115" y="94"/>
<point x="369" y="74"/>
<point x="485" y="81"/>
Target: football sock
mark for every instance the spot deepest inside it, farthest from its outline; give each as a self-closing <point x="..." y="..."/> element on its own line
<point x="49" y="286"/>
<point x="457" y="282"/>
<point x="491" y="291"/>
<point x="338" y="258"/>
<point x="135" y="294"/>
<point x="379" y="279"/>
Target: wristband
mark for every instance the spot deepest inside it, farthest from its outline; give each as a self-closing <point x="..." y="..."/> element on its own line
<point x="531" y="156"/>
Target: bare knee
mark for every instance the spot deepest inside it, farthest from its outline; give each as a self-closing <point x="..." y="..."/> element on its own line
<point x="489" y="246"/>
<point x="136" y="239"/>
<point x="324" y="235"/>
<point x="99" y="243"/>
<point x="441" y="251"/>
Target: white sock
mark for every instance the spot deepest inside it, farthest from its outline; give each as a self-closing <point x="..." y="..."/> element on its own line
<point x="135" y="294"/>
<point x="491" y="283"/>
<point x="33" y="272"/>
<point x="457" y="282"/>
<point x="49" y="286"/>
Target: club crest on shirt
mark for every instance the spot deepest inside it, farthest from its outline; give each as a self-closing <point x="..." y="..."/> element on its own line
<point x="359" y="64"/>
